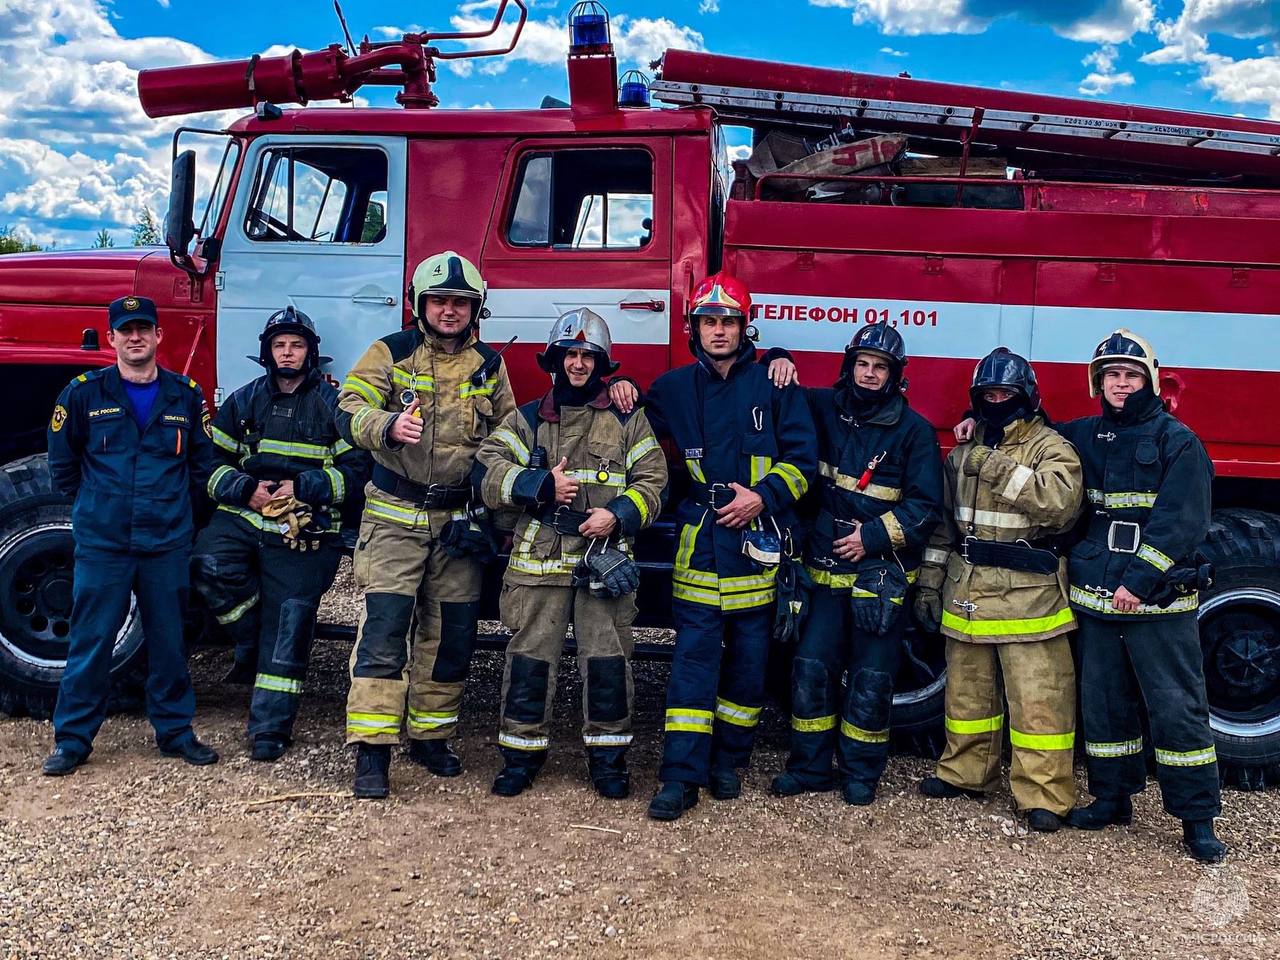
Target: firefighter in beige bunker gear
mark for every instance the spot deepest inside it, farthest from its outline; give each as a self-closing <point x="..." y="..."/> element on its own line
<point x="421" y="401"/>
<point x="994" y="581"/>
<point x="588" y="478"/>
<point x="1135" y="577"/>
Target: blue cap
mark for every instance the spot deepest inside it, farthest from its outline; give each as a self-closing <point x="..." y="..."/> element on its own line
<point x="120" y="312"/>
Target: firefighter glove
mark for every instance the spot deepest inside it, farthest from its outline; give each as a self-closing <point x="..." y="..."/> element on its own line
<point x="466" y="537"/>
<point x="611" y="573"/>
<point x="976" y="458"/>
<point x="928" y="609"/>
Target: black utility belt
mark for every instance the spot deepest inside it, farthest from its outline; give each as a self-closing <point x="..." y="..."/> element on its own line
<point x="1029" y="556"/>
<point x="1120" y="536"/>
<point x="433" y="496"/>
<point x="713" y="495"/>
<point x="563" y="520"/>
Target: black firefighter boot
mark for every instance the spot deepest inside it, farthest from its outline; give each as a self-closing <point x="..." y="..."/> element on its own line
<point x="519" y="769"/>
<point x="935" y="788"/>
<point x="672" y="800"/>
<point x="607" y="767"/>
<point x="373" y="771"/>
<point x="436" y="756"/>
<point x="1198" y="838"/>
<point x="1103" y="812"/>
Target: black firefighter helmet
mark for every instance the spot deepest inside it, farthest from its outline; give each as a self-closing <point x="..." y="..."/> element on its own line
<point x="289" y="320"/>
<point x="1003" y="369"/>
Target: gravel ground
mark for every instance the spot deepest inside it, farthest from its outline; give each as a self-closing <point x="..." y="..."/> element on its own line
<point x="141" y="856"/>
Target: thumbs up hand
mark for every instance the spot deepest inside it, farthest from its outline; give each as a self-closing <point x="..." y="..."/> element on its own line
<point x="566" y="487"/>
<point x="407" y="427"/>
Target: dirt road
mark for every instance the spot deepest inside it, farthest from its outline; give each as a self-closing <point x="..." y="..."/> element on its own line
<point x="140" y="856"/>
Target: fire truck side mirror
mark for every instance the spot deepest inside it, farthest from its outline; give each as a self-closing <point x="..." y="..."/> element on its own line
<point x="179" y="225"/>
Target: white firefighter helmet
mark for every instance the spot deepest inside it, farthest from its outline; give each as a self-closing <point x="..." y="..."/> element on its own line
<point x="447" y="274"/>
<point x="582" y="328"/>
<point x="1124" y="347"/>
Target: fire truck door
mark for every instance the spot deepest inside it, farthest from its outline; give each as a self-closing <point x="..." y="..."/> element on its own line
<point x="585" y="227"/>
<point x="318" y="223"/>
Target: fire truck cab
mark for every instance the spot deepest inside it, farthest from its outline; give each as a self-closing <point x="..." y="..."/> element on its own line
<point x="968" y="218"/>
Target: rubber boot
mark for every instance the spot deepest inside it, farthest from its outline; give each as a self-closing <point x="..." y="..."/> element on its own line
<point x="724" y="783"/>
<point x="268" y="749"/>
<point x="857" y="794"/>
<point x="373" y="771"/>
<point x="436" y="756"/>
<point x="607" y="767"/>
<point x="938" y="789"/>
<point x="1101" y="813"/>
<point x="673" y="800"/>
<point x="790" y="785"/>
<point x="1199" y="839"/>
<point x="519" y="769"/>
<point x="1043" y="821"/>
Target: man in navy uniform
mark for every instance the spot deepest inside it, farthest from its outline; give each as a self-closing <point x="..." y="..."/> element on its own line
<point x="129" y="443"/>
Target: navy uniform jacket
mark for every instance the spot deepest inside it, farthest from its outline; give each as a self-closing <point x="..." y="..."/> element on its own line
<point x="1144" y="467"/>
<point x="263" y="434"/>
<point x="743" y="429"/>
<point x="132" y="488"/>
<point x="901" y="504"/>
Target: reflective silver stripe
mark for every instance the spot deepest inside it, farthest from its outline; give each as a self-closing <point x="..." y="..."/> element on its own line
<point x="639" y="450"/>
<point x="225" y="441"/>
<point x="1120" y="748"/>
<point x="427" y="720"/>
<point x="509" y="483"/>
<point x="269" y="681"/>
<point x="845" y="482"/>
<point x="514" y="444"/>
<point x="1091" y="601"/>
<point x="216" y="477"/>
<point x="1160" y="561"/>
<point x="593" y="476"/>
<point x="523" y="743"/>
<point x="1187" y="758"/>
<point x="607" y="739"/>
<point x="936" y="555"/>
<point x="1021" y="475"/>
<point x="238" y="611"/>
<point x="993" y="518"/>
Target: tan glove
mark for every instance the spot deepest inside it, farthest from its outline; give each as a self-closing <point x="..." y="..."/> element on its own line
<point x="293" y="516"/>
<point x="976" y="458"/>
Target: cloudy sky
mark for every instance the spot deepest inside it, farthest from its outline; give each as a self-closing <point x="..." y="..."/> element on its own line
<point x="77" y="153"/>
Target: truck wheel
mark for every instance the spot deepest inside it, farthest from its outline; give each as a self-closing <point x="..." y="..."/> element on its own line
<point x="36" y="562"/>
<point x="918" y="697"/>
<point x="1240" y="637"/>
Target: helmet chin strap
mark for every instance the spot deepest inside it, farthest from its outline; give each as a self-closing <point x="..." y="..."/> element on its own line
<point x="289" y="373"/>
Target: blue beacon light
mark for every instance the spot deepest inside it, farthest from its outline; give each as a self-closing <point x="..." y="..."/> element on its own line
<point x="588" y="25"/>
<point x="635" y="90"/>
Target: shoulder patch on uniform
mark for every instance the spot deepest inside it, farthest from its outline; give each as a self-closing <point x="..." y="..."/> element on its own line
<point x="59" y="418"/>
<point x="83" y="378"/>
<point x="206" y="421"/>
<point x="402" y="344"/>
<point x="192" y="384"/>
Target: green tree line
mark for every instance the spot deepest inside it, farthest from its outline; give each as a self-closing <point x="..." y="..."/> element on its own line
<point x="145" y="232"/>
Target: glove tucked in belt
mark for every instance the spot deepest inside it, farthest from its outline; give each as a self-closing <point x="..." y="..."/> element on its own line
<point x="607" y="572"/>
<point x="470" y="536"/>
<point x="300" y="526"/>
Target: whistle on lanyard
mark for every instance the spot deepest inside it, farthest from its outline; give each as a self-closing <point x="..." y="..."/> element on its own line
<point x="864" y="481"/>
<point x="407" y="397"/>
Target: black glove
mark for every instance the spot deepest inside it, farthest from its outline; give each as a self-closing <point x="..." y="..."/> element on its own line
<point x="795" y="587"/>
<point x="879" y="590"/>
<point x="928" y="609"/>
<point x="467" y="537"/>
<point x="611" y="573"/>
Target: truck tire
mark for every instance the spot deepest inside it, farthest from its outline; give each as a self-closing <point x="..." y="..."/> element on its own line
<point x="36" y="563"/>
<point x="1240" y="637"/>
<point x="916" y="721"/>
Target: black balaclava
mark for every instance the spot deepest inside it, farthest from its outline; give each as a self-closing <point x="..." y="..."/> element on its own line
<point x="996" y="416"/>
<point x="860" y="402"/>
<point x="1139" y="405"/>
<point x="564" y="393"/>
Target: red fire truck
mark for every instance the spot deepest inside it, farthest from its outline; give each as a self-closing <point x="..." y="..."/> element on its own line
<point x="1040" y="223"/>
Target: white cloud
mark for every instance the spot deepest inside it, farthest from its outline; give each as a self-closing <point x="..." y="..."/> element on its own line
<point x="1090" y="21"/>
<point x="890" y="52"/>
<point x="709" y="6"/>
<point x="1104" y="78"/>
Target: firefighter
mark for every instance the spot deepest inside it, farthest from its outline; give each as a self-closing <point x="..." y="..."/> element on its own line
<point x="589" y="478"/>
<point x="128" y="443"/>
<point x="750" y="450"/>
<point x="994" y="581"/>
<point x="1134" y="581"/>
<point x="421" y="400"/>
<point x="879" y="499"/>
<point x="272" y="548"/>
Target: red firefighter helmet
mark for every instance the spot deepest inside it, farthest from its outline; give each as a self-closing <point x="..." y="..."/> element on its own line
<point x="721" y="294"/>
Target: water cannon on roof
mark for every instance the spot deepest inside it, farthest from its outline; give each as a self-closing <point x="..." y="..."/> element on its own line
<point x="334" y="73"/>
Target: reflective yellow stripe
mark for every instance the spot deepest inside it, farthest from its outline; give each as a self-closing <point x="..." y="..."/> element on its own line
<point x="688" y="720"/>
<point x="792" y="477"/>
<point x="225" y="440"/>
<point x="1007" y="628"/>
<point x="695" y="594"/>
<point x="363" y="388"/>
<point x="373" y="724"/>
<point x="635" y="497"/>
<point x="1124" y="499"/>
<point x="419" y="383"/>
<point x="759" y="467"/>
<point x="736" y="713"/>
<point x="1160" y="561"/>
<point x="428" y="720"/>
<point x="844" y="581"/>
<point x="1091" y="601"/>
<point x="544" y="568"/>
<point x="865" y="736"/>
<point x="639" y="450"/>
<point x="695" y="470"/>
<point x="337" y="484"/>
<point x="374" y="507"/>
<point x="216" y="477"/>
<point x="269" y="681"/>
<point x="688" y="540"/>
<point x="238" y="611"/>
<point x="1042" y="741"/>
<point x="845" y="482"/>
<point x="593" y="476"/>
<point x="1187" y="758"/>
<point x="340" y="447"/>
<point x="305" y="451"/>
<point x="516" y="742"/>
<point x="1116" y="748"/>
<point x="993" y="518"/>
<point x="509" y="485"/>
<point x="468" y="389"/>
<point x="514" y="444"/>
<point x="815" y="725"/>
<point x="969" y="728"/>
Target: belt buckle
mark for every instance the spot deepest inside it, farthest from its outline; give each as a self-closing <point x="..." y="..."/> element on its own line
<point x="964" y="548"/>
<point x="713" y="492"/>
<point x="1128" y="538"/>
<point x="558" y="518"/>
